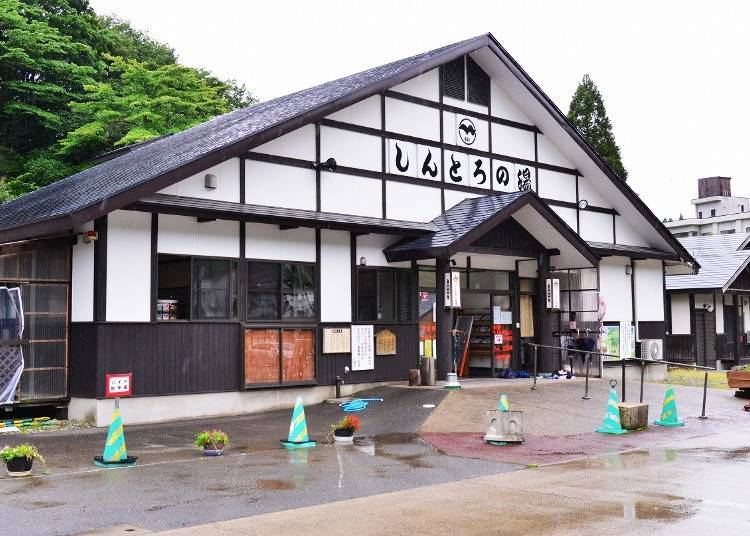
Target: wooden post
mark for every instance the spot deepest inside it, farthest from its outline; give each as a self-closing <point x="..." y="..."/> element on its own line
<point x="444" y="321"/>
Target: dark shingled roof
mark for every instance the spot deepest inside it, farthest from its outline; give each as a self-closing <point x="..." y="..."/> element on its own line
<point x="636" y="252"/>
<point x="460" y="225"/>
<point x="218" y="136"/>
<point x="227" y="210"/>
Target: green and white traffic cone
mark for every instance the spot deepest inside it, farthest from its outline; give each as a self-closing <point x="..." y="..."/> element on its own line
<point x="612" y="424"/>
<point x="503" y="404"/>
<point x="669" y="410"/>
<point x="298" y="438"/>
<point x="115" y="453"/>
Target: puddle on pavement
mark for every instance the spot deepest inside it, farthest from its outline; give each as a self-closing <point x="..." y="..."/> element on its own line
<point x="658" y="511"/>
<point x="272" y="484"/>
<point x="379" y="446"/>
<point x="736" y="454"/>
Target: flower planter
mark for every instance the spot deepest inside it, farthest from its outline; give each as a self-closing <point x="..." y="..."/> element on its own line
<point x="214" y="450"/>
<point x="20" y="466"/>
<point x="738" y="379"/>
<point x="343" y="437"/>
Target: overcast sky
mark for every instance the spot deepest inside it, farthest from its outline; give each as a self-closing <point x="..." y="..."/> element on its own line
<point x="674" y="75"/>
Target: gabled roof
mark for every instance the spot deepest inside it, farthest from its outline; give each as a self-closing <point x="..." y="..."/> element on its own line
<point x="460" y="226"/>
<point x="722" y="261"/>
<point x="118" y="182"/>
<point x="718" y="272"/>
<point x="721" y="242"/>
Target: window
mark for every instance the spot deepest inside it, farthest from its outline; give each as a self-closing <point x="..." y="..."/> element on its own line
<point x="700" y="215"/>
<point x="727" y="231"/>
<point x="214" y="289"/>
<point x="280" y="291"/>
<point x="489" y="280"/>
<point x="384" y="295"/>
<point x="742" y="208"/>
<point x="464" y="79"/>
<point x="279" y="355"/>
<point x="713" y="212"/>
<point x="196" y="288"/>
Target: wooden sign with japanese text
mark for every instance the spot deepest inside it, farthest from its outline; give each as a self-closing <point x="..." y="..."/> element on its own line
<point x="385" y="342"/>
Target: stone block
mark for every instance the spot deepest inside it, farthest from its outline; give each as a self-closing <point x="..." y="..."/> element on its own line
<point x="633" y="415"/>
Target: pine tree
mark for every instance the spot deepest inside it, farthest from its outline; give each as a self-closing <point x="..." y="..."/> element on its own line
<point x="588" y="115"/>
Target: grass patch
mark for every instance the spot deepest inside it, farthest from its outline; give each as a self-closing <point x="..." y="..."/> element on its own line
<point x="717" y="379"/>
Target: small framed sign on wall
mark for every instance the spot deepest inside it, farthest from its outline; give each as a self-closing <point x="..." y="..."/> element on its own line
<point x="337" y="341"/>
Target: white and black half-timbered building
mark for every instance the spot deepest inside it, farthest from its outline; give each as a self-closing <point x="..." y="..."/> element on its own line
<point x="242" y="262"/>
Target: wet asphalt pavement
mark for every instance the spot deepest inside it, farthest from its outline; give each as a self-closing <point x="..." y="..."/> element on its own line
<point x="173" y="485"/>
<point x="688" y="487"/>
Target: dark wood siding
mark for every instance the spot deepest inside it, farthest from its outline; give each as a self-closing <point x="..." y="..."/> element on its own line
<point x="680" y="349"/>
<point x="165" y="358"/>
<point x="82" y="373"/>
<point x="387" y="368"/>
<point x="511" y="235"/>
<point x="651" y="330"/>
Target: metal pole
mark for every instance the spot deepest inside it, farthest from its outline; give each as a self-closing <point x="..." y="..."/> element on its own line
<point x="588" y="365"/>
<point x="536" y="349"/>
<point x="623" y="379"/>
<point x="705" y="388"/>
<point x="643" y="368"/>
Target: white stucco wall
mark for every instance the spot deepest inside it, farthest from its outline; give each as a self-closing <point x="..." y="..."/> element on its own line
<point x="128" y="266"/>
<point x="299" y="143"/>
<point x="649" y="290"/>
<point x="614" y="285"/>
<point x="279" y="186"/>
<point x="365" y="113"/>
<point x="270" y="242"/>
<point x="184" y="235"/>
<point x="680" y="305"/>
<point x="411" y="202"/>
<point x="82" y="279"/>
<point x="371" y="246"/>
<point x="335" y="277"/>
<point x="227" y="183"/>
<point x="347" y="194"/>
<point x="595" y="226"/>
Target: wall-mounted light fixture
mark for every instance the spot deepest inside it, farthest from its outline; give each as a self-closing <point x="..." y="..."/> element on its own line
<point x="363" y="261"/>
<point x="708" y="307"/>
<point x="90" y="236"/>
<point x="628" y="269"/>
<point x="210" y="181"/>
<point x="583" y="204"/>
<point x="328" y="165"/>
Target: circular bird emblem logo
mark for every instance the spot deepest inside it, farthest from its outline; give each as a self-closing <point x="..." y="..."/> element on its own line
<point x="467" y="131"/>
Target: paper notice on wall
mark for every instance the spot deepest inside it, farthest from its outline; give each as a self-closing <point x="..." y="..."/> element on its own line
<point x="627" y="339"/>
<point x="363" y="348"/>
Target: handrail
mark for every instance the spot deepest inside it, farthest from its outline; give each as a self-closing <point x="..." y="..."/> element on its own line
<point x="622" y="361"/>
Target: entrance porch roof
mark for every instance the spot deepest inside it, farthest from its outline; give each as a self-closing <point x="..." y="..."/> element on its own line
<point x="531" y="227"/>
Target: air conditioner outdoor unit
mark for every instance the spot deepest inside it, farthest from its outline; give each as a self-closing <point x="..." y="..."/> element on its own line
<point x="652" y="349"/>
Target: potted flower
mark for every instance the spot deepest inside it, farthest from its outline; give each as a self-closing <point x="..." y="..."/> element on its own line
<point x="20" y="459"/>
<point x="212" y="442"/>
<point x="343" y="431"/>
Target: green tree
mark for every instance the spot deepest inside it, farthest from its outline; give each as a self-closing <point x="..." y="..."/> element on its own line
<point x="74" y="84"/>
<point x="588" y="115"/>
<point x="140" y="104"/>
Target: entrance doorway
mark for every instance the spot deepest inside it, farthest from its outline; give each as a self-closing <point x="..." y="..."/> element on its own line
<point x="491" y="342"/>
